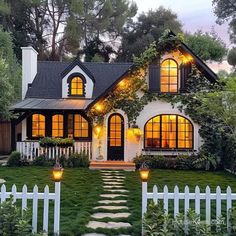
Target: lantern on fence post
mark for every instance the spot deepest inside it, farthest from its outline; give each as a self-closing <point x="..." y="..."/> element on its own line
<point x="144" y="173"/>
<point x="57" y="174"/>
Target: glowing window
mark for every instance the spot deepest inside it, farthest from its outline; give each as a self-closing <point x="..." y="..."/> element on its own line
<point x="169" y="132"/>
<point x="57" y="126"/>
<point x="38" y="125"/>
<point x="115" y="131"/>
<point x="77" y="86"/>
<point x="169" y="76"/>
<point x="81" y="127"/>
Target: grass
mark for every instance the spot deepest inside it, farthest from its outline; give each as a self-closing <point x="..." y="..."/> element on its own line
<point x="81" y="189"/>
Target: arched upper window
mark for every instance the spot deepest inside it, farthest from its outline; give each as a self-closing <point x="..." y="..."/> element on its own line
<point x="169" y="76"/>
<point x="168" y="132"/>
<point x="38" y="125"/>
<point x="57" y="126"/>
<point x="77" y="86"/>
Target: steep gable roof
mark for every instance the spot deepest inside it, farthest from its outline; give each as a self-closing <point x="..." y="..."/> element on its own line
<point x="48" y="81"/>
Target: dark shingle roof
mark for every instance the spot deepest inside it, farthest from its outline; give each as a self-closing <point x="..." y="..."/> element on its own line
<point x="48" y="81"/>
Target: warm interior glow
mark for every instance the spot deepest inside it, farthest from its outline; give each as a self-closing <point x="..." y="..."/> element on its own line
<point x="77" y="86"/>
<point x="38" y="125"/>
<point x="57" y="126"/>
<point x="81" y="127"/>
<point x="169" y="76"/>
<point x="168" y="131"/>
<point x="144" y="174"/>
<point x="115" y="131"/>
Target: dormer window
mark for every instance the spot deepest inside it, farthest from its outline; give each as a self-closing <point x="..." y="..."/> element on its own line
<point x="169" y="76"/>
<point x="76" y="85"/>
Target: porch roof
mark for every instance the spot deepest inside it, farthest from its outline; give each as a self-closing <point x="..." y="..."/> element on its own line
<point x="51" y="104"/>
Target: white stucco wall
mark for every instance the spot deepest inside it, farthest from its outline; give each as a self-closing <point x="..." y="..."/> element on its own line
<point x="132" y="147"/>
<point x="88" y="85"/>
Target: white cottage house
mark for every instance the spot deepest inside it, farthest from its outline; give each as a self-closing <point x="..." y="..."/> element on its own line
<point x="56" y="98"/>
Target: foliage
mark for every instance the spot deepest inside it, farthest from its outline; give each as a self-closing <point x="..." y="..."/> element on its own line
<point x="12" y="222"/>
<point x="78" y="160"/>
<point x="52" y="142"/>
<point x="225" y="12"/>
<point x="156" y="222"/>
<point x="149" y="27"/>
<point x="208" y="46"/>
<point x="42" y="160"/>
<point x="14" y="159"/>
<point x="231" y="57"/>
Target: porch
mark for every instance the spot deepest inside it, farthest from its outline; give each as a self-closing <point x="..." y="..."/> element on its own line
<point x="31" y="149"/>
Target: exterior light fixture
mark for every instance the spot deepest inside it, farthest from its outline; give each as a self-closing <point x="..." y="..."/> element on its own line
<point x="98" y="107"/>
<point x="57" y="172"/>
<point x="97" y="130"/>
<point x="144" y="173"/>
<point x="137" y="132"/>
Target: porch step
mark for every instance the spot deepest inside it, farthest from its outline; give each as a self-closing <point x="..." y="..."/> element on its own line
<point x="112" y="165"/>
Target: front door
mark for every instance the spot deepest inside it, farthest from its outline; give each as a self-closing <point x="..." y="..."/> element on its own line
<point x="115" y="139"/>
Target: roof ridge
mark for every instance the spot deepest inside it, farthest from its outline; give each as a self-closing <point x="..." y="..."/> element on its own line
<point x="103" y="63"/>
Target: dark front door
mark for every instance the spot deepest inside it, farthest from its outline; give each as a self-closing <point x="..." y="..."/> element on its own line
<point x="115" y="139"/>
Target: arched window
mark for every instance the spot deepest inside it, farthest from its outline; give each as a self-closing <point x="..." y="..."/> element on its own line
<point x="38" y="125"/>
<point x="57" y="126"/>
<point x="168" y="132"/>
<point x="169" y="76"/>
<point x="77" y="86"/>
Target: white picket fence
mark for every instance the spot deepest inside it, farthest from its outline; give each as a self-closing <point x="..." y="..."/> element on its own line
<point x="207" y="196"/>
<point x="31" y="149"/>
<point x="35" y="196"/>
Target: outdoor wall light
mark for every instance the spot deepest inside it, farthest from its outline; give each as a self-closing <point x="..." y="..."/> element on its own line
<point x="57" y="172"/>
<point x="144" y="172"/>
<point x="137" y="132"/>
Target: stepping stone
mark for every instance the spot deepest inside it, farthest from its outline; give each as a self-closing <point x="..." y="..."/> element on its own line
<point x="2" y="181"/>
<point x="113" y="183"/>
<point x="110" y="171"/>
<point x="113" y="174"/>
<point x="117" y="190"/>
<point x="112" y="201"/>
<point x="113" y="177"/>
<point x="93" y="234"/>
<point x="102" y="215"/>
<point x="108" y="225"/>
<point x="112" y="186"/>
<point x="112" y="195"/>
<point x="111" y="207"/>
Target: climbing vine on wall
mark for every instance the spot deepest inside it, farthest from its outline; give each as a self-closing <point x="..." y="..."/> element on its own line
<point x="131" y="94"/>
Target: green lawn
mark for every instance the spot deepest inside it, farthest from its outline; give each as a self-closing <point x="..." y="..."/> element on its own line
<point x="81" y="189"/>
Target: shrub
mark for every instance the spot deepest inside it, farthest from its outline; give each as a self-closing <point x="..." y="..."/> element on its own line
<point x="42" y="161"/>
<point x="14" y="159"/>
<point x="78" y="160"/>
<point x="156" y="222"/>
<point x="47" y="142"/>
<point x="64" y="142"/>
<point x="12" y="222"/>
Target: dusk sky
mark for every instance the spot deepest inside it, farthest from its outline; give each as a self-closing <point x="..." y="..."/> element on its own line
<point x="194" y="14"/>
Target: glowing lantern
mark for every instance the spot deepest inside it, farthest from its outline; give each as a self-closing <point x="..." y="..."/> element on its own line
<point x="98" y="107"/>
<point x="144" y="173"/>
<point x="57" y="172"/>
<point x="137" y="132"/>
<point x="97" y="130"/>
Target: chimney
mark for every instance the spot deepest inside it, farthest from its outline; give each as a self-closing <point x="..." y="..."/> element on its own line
<point x="29" y="67"/>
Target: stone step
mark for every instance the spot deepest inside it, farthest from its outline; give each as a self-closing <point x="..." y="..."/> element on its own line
<point x="113" y="174"/>
<point x="112" y="195"/>
<point x="113" y="183"/>
<point x="108" y="225"/>
<point x="112" y="186"/>
<point x="101" y="215"/>
<point x="111" y="207"/>
<point x="115" y="180"/>
<point x="117" y="190"/>
<point x="112" y="177"/>
<point x="110" y="171"/>
<point x="112" y="201"/>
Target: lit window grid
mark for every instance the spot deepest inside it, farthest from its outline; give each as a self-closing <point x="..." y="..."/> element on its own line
<point x="115" y="131"/>
<point x="57" y="126"/>
<point x="77" y="86"/>
<point x="167" y="135"/>
<point x="80" y="127"/>
<point x="169" y="77"/>
<point x="38" y="125"/>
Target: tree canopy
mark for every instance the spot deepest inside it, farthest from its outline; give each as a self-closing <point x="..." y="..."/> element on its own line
<point x="208" y="46"/>
<point x="231" y="57"/>
<point x="225" y="11"/>
<point x="138" y="35"/>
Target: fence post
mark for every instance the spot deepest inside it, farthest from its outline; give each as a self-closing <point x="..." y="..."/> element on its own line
<point x="57" y="208"/>
<point x="144" y="198"/>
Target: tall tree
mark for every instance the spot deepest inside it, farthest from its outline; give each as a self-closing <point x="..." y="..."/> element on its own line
<point x="208" y="46"/>
<point x="148" y="28"/>
<point x="231" y="57"/>
<point x="225" y="10"/>
<point x="94" y="26"/>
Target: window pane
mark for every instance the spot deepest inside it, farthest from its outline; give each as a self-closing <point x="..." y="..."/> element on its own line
<point x="81" y="127"/>
<point x="77" y="86"/>
<point x="57" y="126"/>
<point x="38" y="125"/>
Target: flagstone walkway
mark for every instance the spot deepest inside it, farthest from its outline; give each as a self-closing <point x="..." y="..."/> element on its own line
<point x="111" y="211"/>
